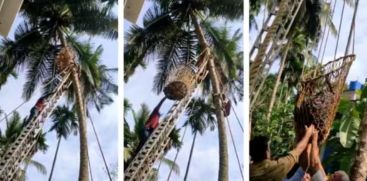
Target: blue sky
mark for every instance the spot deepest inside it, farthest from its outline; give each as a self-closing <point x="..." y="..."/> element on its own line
<point x="106" y="123"/>
<point x="205" y="161"/>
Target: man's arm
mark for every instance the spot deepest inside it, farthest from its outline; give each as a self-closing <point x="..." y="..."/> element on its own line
<point x="315" y="158"/>
<point x="285" y="164"/>
<point x="301" y="145"/>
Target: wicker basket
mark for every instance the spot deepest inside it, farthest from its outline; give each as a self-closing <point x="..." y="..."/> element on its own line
<point x="319" y="96"/>
<point x="179" y="82"/>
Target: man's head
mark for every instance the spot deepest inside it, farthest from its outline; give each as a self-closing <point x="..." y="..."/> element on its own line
<point x="259" y="149"/>
<point x="340" y="176"/>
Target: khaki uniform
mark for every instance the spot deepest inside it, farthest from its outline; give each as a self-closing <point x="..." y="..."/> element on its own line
<point x="273" y="170"/>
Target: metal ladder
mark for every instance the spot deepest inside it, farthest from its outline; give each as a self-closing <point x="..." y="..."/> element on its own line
<point x="25" y="144"/>
<point x="153" y="148"/>
<point x="269" y="41"/>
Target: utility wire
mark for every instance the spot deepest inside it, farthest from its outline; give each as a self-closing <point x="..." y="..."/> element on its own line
<point x="174" y="160"/>
<point x="328" y="32"/>
<point x="235" y="149"/>
<point x="100" y="149"/>
<point x="6" y="115"/>
<point x="340" y="25"/>
<point x="238" y="120"/>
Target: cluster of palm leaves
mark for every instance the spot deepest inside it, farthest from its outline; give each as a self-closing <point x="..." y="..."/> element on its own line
<point x="45" y="28"/>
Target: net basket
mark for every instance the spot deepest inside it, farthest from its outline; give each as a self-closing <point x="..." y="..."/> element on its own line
<point x="179" y="82"/>
<point x="319" y="95"/>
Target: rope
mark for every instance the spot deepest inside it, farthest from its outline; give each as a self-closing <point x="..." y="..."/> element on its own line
<point x="340" y="25"/>
<point x="238" y="120"/>
<point x="328" y="32"/>
<point x="6" y="115"/>
<point x="354" y="38"/>
<point x="235" y="149"/>
<point x="351" y="28"/>
<point x="174" y="160"/>
<point x="323" y="34"/>
<point x="100" y="149"/>
<point x="90" y="170"/>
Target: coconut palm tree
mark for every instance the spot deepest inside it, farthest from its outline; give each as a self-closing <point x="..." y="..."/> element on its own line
<point x="40" y="37"/>
<point x="94" y="76"/>
<point x="176" y="32"/>
<point x="64" y="123"/>
<point x="201" y="115"/>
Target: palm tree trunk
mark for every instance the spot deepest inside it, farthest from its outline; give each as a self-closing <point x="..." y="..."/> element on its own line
<point x="83" y="168"/>
<point x="359" y="168"/>
<point x="223" y="150"/>
<point x="277" y="83"/>
<point x="191" y="151"/>
<point x="54" y="161"/>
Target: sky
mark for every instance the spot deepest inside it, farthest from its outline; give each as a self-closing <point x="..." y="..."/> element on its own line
<point x="106" y="123"/>
<point x="358" y="70"/>
<point x="205" y="160"/>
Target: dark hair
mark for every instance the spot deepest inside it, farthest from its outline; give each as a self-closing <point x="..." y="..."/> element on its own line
<point x="258" y="148"/>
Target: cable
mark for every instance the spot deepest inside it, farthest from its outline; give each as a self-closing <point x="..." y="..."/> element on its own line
<point x="322" y="37"/>
<point x="354" y="38"/>
<point x="351" y="28"/>
<point x="238" y="120"/>
<point x="340" y="25"/>
<point x="235" y="148"/>
<point x="324" y="31"/>
<point x="100" y="149"/>
<point x="6" y="115"/>
<point x="90" y="169"/>
<point x="174" y="160"/>
<point x="328" y="32"/>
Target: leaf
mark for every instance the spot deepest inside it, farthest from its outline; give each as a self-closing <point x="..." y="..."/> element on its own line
<point x="348" y="129"/>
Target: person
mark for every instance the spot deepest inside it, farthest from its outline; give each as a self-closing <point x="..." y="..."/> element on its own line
<point x="310" y="161"/>
<point x="263" y="168"/>
<point x="151" y="124"/>
<point x="227" y="106"/>
<point x="339" y="176"/>
<point x="153" y="121"/>
<point x="38" y="107"/>
<point x="310" y="167"/>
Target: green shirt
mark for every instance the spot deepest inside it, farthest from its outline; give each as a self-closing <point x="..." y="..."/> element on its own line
<point x="273" y="170"/>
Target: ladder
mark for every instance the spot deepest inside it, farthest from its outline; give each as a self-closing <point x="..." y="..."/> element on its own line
<point x="153" y="148"/>
<point x="25" y="144"/>
<point x="272" y="38"/>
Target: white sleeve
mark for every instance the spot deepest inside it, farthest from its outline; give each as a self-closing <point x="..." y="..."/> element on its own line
<point x="318" y="176"/>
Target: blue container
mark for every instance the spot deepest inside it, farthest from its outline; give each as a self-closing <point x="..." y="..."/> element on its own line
<point x="355" y="85"/>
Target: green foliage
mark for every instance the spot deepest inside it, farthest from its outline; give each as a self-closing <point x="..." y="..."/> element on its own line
<point x="343" y="139"/>
<point x="201" y="116"/>
<point x="349" y="123"/>
<point x="280" y="130"/>
<point x="64" y="121"/>
<point x="168" y="36"/>
<point x="37" y="39"/>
